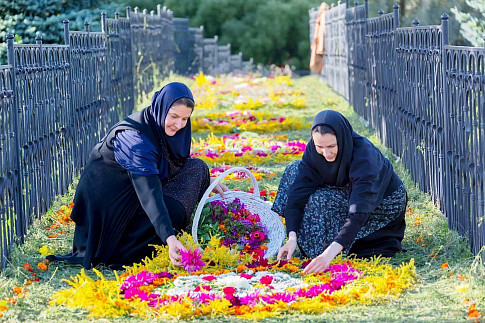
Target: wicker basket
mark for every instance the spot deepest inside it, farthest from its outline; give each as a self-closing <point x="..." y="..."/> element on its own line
<point x="269" y="218"/>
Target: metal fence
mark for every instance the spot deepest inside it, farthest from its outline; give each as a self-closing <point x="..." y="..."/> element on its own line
<point x="57" y="101"/>
<point x="425" y="99"/>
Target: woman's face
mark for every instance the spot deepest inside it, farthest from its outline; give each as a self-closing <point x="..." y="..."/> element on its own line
<point x="177" y="118"/>
<point x="326" y="145"/>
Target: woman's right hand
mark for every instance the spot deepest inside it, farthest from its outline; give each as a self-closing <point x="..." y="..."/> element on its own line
<point x="174" y="247"/>
<point x="289" y="247"/>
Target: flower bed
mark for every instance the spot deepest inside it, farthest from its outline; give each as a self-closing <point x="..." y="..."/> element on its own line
<point x="246" y="93"/>
<point x="258" y="172"/>
<point x="230" y="285"/>
<point x="247" y="150"/>
<point x="238" y="120"/>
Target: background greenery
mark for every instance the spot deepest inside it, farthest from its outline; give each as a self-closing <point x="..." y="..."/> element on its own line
<point x="272" y="32"/>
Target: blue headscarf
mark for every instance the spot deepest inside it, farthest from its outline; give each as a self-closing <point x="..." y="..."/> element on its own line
<point x="176" y="148"/>
<point x="139" y="155"/>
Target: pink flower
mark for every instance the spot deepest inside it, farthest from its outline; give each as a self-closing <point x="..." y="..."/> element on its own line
<point x="274" y="148"/>
<point x="247" y="276"/>
<point x="266" y="280"/>
<point x="210" y="154"/>
<point x="206" y="287"/>
<point x="192" y="260"/>
<point x="209" y="278"/>
<point x="258" y="236"/>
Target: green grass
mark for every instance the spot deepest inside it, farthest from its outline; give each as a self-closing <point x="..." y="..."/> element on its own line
<point x="438" y="295"/>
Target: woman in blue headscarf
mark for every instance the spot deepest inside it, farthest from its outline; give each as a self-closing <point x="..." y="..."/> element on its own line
<point x="342" y="195"/>
<point x="139" y="186"/>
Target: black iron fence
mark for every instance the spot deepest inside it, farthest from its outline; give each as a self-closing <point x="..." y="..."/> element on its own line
<point x="57" y="101"/>
<point x="425" y="99"/>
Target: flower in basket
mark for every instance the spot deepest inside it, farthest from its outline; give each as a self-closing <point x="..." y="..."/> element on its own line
<point x="236" y="225"/>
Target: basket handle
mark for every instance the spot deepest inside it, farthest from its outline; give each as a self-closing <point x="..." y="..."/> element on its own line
<point x="204" y="198"/>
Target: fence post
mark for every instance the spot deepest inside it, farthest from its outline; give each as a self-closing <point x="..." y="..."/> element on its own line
<point x="128" y="10"/>
<point x="66" y="32"/>
<point x="366" y="4"/>
<point x="444" y="28"/>
<point x="19" y="195"/>
<point x="103" y="23"/>
<point x="395" y="9"/>
<point x="446" y="176"/>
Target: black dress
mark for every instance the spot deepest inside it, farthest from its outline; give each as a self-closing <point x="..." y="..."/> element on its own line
<point x="356" y="200"/>
<point x="116" y="220"/>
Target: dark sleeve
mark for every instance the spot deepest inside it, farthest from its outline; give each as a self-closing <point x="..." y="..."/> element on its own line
<point x="149" y="192"/>
<point x="352" y="226"/>
<point x="298" y="195"/>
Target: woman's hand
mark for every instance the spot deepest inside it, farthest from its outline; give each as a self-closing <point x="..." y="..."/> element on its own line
<point x="289" y="247"/>
<point x="321" y="262"/>
<point x="174" y="247"/>
<point x="219" y="188"/>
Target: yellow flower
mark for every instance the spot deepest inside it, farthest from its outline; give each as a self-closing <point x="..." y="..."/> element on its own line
<point x="45" y="250"/>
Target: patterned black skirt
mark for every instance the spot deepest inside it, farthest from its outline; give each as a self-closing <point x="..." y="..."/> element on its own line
<point x="325" y="214"/>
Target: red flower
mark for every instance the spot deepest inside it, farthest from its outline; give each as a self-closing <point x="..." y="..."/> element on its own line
<point x="229" y="290"/>
<point x="266" y="280"/>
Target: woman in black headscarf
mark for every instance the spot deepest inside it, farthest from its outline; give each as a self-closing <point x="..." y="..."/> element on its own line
<point x="139" y="185"/>
<point x="342" y="195"/>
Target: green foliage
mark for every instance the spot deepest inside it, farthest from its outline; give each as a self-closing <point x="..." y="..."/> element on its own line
<point x="272" y="32"/>
<point x="28" y="18"/>
<point x="429" y="12"/>
<point x="472" y="23"/>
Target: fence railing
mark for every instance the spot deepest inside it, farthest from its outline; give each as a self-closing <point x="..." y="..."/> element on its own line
<point x="57" y="101"/>
<point x="425" y="99"/>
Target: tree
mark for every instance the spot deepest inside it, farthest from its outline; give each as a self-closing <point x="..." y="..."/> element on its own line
<point x="272" y="32"/>
<point x="472" y="24"/>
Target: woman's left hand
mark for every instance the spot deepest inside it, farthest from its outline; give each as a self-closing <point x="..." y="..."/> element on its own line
<point x="220" y="188"/>
<point x="321" y="262"/>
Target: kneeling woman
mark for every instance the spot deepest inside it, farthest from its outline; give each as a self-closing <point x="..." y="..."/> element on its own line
<point x="342" y="195"/>
<point x="139" y="185"/>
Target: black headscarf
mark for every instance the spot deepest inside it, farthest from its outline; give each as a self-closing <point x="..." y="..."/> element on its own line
<point x="176" y="148"/>
<point x="334" y="173"/>
<point x="358" y="162"/>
